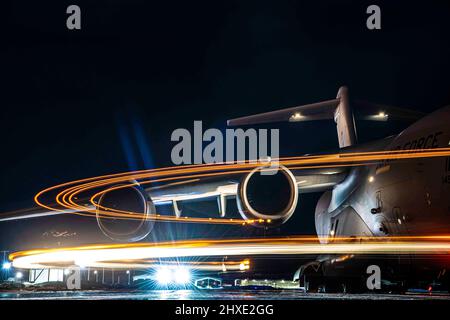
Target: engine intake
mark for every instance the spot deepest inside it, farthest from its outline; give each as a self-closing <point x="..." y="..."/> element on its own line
<point x="132" y="223"/>
<point x="271" y="197"/>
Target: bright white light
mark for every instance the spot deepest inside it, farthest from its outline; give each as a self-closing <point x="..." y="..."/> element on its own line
<point x="19" y="275"/>
<point x="371" y="178"/>
<point x="296" y="116"/>
<point x="242" y="266"/>
<point x="163" y="276"/>
<point x="128" y="271"/>
<point x="95" y="271"/>
<point x="66" y="272"/>
<point x="82" y="263"/>
<point x="182" y="276"/>
<point x="6" y="265"/>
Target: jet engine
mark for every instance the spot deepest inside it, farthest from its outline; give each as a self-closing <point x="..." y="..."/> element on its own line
<point x="269" y="194"/>
<point x="123" y="212"/>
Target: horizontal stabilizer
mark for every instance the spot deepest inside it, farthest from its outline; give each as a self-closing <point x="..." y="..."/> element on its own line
<point x="336" y="109"/>
<point x="315" y="111"/>
<point x="339" y="109"/>
<point x="378" y="112"/>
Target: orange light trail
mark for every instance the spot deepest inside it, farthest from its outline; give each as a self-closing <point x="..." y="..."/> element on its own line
<point x="134" y="253"/>
<point x="69" y="192"/>
<point x="228" y="265"/>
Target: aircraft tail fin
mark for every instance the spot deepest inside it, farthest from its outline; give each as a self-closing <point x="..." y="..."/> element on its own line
<point x="339" y="110"/>
<point x="345" y="122"/>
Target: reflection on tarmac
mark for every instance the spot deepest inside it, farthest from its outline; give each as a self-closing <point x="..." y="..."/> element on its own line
<point x="208" y="295"/>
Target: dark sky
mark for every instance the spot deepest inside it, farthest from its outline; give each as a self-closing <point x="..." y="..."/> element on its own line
<point x="106" y="98"/>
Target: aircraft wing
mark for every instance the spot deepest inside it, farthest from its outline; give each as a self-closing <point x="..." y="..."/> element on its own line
<point x="310" y="180"/>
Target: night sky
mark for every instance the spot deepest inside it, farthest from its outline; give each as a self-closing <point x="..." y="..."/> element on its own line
<point x="106" y="98"/>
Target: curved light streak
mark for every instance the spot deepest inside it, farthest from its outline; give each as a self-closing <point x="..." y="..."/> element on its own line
<point x="69" y="192"/>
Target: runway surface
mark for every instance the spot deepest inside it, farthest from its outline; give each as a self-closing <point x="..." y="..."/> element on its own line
<point x="208" y="295"/>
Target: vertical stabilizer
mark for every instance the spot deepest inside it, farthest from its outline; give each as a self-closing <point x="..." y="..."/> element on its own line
<point x="343" y="117"/>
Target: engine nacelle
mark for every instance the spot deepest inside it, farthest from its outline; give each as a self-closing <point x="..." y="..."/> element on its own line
<point x="272" y="197"/>
<point x="133" y="222"/>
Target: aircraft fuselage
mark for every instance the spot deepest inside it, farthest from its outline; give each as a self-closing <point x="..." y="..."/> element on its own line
<point x="395" y="197"/>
